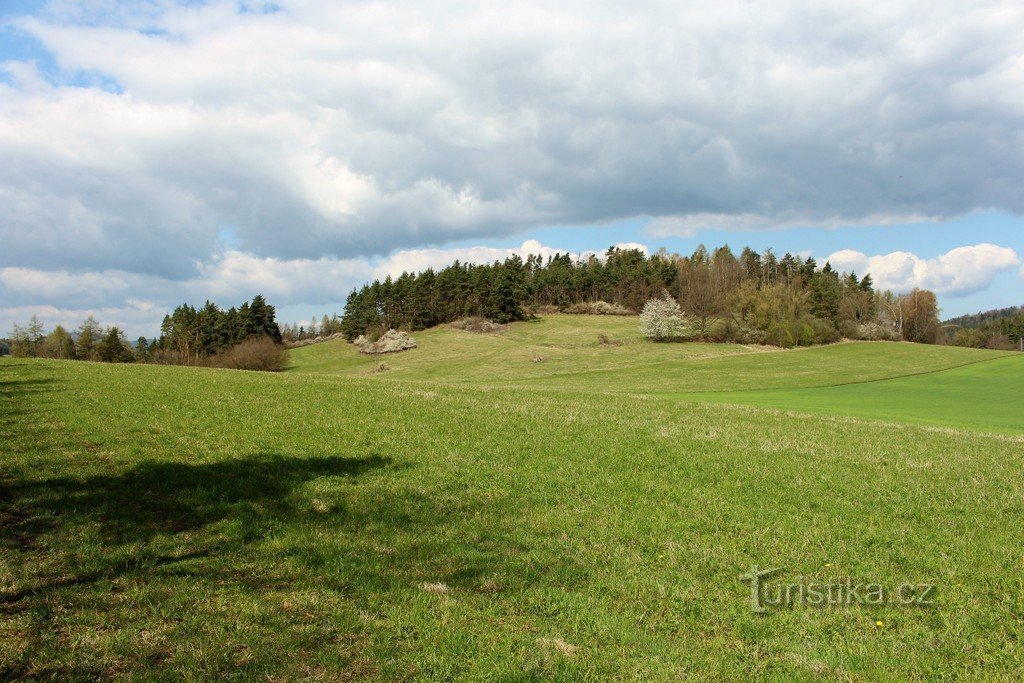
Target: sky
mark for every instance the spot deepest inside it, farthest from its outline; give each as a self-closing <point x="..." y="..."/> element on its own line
<point x="159" y="152"/>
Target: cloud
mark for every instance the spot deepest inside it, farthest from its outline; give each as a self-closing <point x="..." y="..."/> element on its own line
<point x="690" y="225"/>
<point x="139" y="301"/>
<point x="959" y="272"/>
<point x="351" y="130"/>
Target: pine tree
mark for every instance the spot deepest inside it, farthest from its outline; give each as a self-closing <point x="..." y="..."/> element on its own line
<point x="113" y="348"/>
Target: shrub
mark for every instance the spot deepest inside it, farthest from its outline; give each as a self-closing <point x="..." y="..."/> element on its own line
<point x="1000" y="342"/>
<point x="780" y="334"/>
<point x="823" y="331"/>
<point x="718" y="330"/>
<point x="479" y="325"/>
<point x="872" y="332"/>
<point x="662" y="320"/>
<point x="375" y="332"/>
<point x="255" y="353"/>
<point x="597" y="308"/>
<point x="733" y="331"/>
<point x="807" y="335"/>
<point x="604" y="340"/>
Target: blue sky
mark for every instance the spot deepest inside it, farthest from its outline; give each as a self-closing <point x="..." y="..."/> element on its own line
<point x="161" y="151"/>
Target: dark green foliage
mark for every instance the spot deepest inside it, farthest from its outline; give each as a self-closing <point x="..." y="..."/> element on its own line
<point x="113" y="348"/>
<point x="826" y="292"/>
<point x="188" y="335"/>
<point x="504" y="291"/>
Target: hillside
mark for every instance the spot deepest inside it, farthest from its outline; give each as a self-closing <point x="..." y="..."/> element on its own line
<point x="471" y="514"/>
<point x="562" y="353"/>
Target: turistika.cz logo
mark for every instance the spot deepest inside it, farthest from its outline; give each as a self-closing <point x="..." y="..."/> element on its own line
<point x="766" y="594"/>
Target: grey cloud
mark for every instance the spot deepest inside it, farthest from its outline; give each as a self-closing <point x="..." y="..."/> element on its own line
<point x="354" y="129"/>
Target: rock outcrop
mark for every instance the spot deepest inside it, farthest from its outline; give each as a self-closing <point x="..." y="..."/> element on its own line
<point x="391" y="341"/>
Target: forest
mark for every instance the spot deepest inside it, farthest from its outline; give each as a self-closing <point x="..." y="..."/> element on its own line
<point x="243" y="337"/>
<point x="1000" y="328"/>
<point x="750" y="298"/>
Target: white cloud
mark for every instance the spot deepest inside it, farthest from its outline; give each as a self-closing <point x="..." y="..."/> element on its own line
<point x="138" y="302"/>
<point x="355" y="129"/>
<point x="959" y="272"/>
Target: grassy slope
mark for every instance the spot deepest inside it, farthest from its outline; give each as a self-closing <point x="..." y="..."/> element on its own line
<point x="573" y="360"/>
<point x="986" y="396"/>
<point x="210" y="523"/>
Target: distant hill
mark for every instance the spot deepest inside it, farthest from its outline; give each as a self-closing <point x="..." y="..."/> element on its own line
<point x="976" y="320"/>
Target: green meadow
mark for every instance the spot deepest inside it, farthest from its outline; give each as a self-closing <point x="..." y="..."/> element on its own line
<point x="533" y="505"/>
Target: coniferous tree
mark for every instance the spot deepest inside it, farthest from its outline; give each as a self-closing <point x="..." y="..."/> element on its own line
<point x="113" y="348"/>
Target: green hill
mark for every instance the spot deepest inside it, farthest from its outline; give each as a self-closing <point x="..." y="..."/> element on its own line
<point x="937" y="385"/>
<point x="471" y="514"/>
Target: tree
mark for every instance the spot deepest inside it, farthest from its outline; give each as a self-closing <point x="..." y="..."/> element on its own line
<point x="18" y="342"/>
<point x="701" y="294"/>
<point x="261" y="319"/>
<point x="211" y="333"/>
<point x="59" y="344"/>
<point x="505" y="294"/>
<point x="825" y="294"/>
<point x="86" y="339"/>
<point x="661" y="319"/>
<point x="920" y="313"/>
<point x="36" y="334"/>
<point x="113" y="348"/>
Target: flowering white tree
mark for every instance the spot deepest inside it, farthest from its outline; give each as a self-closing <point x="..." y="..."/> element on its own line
<point x="662" y="319"/>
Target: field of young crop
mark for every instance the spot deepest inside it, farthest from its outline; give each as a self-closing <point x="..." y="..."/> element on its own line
<point x="533" y="505"/>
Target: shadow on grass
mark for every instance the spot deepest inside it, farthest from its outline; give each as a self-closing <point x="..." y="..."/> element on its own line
<point x="163" y="497"/>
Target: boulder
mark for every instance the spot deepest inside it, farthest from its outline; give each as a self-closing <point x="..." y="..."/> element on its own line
<point x="391" y="341"/>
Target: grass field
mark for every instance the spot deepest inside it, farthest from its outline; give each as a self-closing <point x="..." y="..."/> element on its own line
<point x="475" y="514"/>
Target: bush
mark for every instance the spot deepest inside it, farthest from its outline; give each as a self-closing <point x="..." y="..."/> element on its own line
<point x="1000" y="342"/>
<point x="255" y="353"/>
<point x="807" y="335"/>
<point x="872" y="332"/>
<point x="374" y="332"/>
<point x="780" y="334"/>
<point x="479" y="325"/>
<point x="824" y="332"/>
<point x="598" y="308"/>
<point x="662" y="320"/>
<point x="744" y="334"/>
<point x="604" y="340"/>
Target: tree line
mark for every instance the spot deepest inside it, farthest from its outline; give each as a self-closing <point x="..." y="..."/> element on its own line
<point x="189" y="334"/>
<point x="318" y="327"/>
<point x="996" y="329"/>
<point x="208" y="335"/>
<point x="90" y="341"/>
<point x="750" y="298"/>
